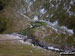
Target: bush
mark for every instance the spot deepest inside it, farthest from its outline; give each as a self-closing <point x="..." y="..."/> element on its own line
<point x="3" y="3"/>
<point x="3" y="24"/>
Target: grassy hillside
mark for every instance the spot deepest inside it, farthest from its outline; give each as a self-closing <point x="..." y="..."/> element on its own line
<point x="13" y="48"/>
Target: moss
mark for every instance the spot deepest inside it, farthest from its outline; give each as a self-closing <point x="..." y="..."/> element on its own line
<point x="44" y="24"/>
<point x="38" y="24"/>
<point x="25" y="30"/>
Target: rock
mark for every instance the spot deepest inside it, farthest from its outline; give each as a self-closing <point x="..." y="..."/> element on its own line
<point x="10" y="39"/>
<point x="19" y="35"/>
<point x="54" y="38"/>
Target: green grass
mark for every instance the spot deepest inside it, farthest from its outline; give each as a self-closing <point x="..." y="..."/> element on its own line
<point x="38" y="23"/>
<point x="20" y="50"/>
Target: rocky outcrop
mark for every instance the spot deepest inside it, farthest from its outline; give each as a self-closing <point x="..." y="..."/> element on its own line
<point x="55" y="38"/>
<point x="50" y="36"/>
